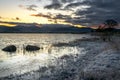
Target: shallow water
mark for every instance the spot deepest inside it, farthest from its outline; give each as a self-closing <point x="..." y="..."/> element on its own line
<point x="22" y="61"/>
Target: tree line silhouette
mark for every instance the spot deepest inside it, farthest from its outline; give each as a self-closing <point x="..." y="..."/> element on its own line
<point x="107" y="29"/>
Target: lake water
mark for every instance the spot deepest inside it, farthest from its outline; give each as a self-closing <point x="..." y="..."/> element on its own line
<point x="22" y="61"/>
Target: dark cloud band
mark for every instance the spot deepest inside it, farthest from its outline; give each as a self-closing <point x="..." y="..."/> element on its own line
<point x="96" y="12"/>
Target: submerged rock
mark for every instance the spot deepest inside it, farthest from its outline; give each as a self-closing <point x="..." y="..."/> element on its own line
<point x="32" y="48"/>
<point x="10" y="48"/>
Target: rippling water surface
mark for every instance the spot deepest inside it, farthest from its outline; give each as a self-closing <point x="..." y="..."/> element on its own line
<point x="22" y="61"/>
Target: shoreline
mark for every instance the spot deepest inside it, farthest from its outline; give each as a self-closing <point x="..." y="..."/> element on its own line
<point x="96" y="60"/>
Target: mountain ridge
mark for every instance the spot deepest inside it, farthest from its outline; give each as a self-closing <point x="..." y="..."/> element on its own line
<point x="46" y="28"/>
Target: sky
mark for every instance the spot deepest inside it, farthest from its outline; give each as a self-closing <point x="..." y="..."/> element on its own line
<point x="72" y="12"/>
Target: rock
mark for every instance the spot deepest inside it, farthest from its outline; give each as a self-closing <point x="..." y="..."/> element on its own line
<point x="32" y="48"/>
<point x="65" y="57"/>
<point x="10" y="48"/>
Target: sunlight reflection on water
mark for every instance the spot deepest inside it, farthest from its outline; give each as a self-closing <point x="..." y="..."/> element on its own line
<point x="22" y="61"/>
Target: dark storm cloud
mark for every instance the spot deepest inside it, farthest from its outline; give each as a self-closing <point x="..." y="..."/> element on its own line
<point x="57" y="4"/>
<point x="29" y="7"/>
<point x="87" y="12"/>
<point x="54" y="5"/>
<point x="102" y="10"/>
<point x="53" y="16"/>
<point x="48" y="15"/>
<point x="76" y="4"/>
<point x="97" y="12"/>
<point x="66" y="1"/>
<point x="61" y="16"/>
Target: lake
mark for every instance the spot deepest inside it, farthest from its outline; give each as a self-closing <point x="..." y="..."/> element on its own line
<point x="23" y="61"/>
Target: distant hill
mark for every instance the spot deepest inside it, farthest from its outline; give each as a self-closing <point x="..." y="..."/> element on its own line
<point x="108" y="30"/>
<point x="46" y="28"/>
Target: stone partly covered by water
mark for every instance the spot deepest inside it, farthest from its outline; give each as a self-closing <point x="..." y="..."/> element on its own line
<point x="54" y="50"/>
<point x="32" y="48"/>
<point x="10" y="48"/>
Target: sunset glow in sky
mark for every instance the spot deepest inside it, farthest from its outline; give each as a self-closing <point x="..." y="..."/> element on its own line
<point x="73" y="12"/>
<point x="25" y="11"/>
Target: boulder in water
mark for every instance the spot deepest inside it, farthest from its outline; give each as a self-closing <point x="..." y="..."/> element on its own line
<point x="10" y="48"/>
<point x="31" y="48"/>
